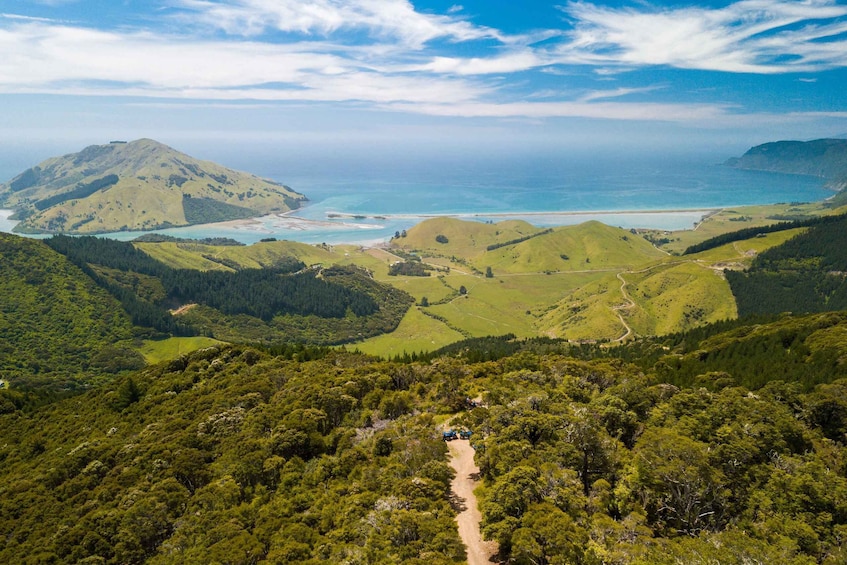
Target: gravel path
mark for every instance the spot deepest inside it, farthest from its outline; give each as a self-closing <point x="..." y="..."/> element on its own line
<point x="467" y="473"/>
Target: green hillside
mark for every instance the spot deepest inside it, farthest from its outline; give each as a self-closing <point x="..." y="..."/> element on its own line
<point x="56" y="324"/>
<point x="565" y="282"/>
<point x="256" y="256"/>
<point x="825" y="158"/>
<point x="466" y="239"/>
<point x="588" y="246"/>
<point x="141" y="185"/>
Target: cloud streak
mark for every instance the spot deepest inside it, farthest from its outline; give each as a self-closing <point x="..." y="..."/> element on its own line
<point x="385" y="54"/>
<point x="751" y="36"/>
<point x="381" y="19"/>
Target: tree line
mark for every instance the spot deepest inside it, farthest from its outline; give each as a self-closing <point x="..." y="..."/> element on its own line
<point x="285" y="289"/>
<point x="748" y="233"/>
<point x="804" y="274"/>
<point x="80" y="191"/>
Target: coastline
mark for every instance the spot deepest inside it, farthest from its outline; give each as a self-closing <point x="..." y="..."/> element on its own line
<point x="374" y="230"/>
<point x="564" y="213"/>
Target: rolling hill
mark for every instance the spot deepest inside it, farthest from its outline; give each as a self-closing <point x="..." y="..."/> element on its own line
<point x="141" y="185"/>
<point x="563" y="282"/>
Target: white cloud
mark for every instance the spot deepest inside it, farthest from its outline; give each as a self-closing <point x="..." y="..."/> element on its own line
<point x="397" y="68"/>
<point x="755" y="36"/>
<point x="24" y="18"/>
<point x="63" y="59"/>
<point x="384" y="19"/>
<point x="508" y="63"/>
<point x="616" y="93"/>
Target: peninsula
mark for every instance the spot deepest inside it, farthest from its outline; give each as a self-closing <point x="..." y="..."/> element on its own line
<point x="140" y="185"/>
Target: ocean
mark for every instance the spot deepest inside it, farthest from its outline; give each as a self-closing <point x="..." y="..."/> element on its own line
<point x="367" y="201"/>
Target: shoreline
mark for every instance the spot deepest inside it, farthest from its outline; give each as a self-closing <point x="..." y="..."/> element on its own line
<point x="630" y="212"/>
<point x="375" y="230"/>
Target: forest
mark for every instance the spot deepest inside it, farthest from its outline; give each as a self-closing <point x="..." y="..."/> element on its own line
<point x="312" y="455"/>
<point x="747" y="233"/>
<point x="58" y="327"/>
<point x="287" y="293"/>
<point x="805" y="274"/>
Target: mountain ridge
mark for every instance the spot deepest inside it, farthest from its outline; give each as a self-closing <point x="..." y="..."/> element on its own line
<point x="137" y="185"/>
<point x="825" y="158"/>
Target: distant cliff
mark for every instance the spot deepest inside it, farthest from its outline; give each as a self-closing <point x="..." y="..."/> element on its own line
<point x="824" y="158"/>
<point x="141" y="185"/>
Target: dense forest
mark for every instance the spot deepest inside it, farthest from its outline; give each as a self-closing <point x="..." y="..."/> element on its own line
<point x="805" y="274"/>
<point x="237" y="455"/>
<point x="747" y="233"/>
<point x="57" y="325"/>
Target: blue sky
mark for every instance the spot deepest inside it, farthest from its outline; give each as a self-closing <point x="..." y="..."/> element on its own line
<point x="476" y="75"/>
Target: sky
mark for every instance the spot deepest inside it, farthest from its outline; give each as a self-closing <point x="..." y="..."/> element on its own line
<point x="341" y="77"/>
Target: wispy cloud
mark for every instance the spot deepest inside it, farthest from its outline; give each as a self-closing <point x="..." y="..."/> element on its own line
<point x="516" y="61"/>
<point x="751" y="36"/>
<point x="24" y="18"/>
<point x="701" y="113"/>
<point x="393" y="19"/>
<point x="616" y="93"/>
<point x="386" y="54"/>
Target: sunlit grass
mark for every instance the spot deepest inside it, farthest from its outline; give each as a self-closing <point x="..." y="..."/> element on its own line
<point x="416" y="332"/>
<point x="171" y="348"/>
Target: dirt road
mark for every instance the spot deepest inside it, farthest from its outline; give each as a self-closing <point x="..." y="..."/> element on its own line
<point x="461" y="459"/>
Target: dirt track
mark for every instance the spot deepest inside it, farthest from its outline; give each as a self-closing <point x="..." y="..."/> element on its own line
<point x="461" y="459"/>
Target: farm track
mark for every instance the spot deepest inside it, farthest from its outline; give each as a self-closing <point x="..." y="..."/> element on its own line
<point x="479" y="552"/>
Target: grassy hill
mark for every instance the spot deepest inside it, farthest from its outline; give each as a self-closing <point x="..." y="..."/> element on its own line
<point x="589" y="246"/>
<point x="466" y="239"/>
<point x="534" y="290"/>
<point x="141" y="185"/>
<point x="57" y="324"/>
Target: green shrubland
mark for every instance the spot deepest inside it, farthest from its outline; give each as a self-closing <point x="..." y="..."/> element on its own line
<point x="311" y="455"/>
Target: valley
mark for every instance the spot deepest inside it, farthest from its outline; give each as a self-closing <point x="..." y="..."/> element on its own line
<point x="533" y="290"/>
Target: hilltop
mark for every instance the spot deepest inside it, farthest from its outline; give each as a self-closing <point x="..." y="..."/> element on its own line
<point x="825" y="158"/>
<point x="140" y="185"/>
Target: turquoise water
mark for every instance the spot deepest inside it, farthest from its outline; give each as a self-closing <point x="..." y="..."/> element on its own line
<point x="392" y="196"/>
